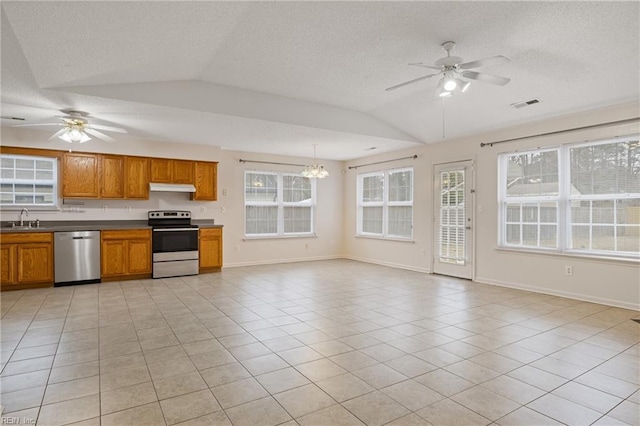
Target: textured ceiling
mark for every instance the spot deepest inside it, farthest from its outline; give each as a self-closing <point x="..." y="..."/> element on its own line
<point x="278" y="77"/>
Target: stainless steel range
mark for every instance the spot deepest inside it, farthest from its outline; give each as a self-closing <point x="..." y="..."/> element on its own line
<point x="175" y="243"/>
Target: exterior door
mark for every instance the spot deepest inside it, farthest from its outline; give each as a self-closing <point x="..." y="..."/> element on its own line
<point x="453" y="208"/>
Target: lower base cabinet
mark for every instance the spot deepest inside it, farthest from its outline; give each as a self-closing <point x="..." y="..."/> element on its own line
<point x="210" y="249"/>
<point x="125" y="254"/>
<point x="26" y="260"/>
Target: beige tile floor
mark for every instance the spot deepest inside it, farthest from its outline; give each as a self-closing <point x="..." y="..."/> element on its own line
<point x="317" y="343"/>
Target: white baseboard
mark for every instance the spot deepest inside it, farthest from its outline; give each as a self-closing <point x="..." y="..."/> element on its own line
<point x="276" y="261"/>
<point x="567" y="294"/>
<point x="390" y="264"/>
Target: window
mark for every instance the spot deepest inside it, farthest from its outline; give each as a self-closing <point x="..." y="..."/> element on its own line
<point x="385" y="204"/>
<point x="580" y="198"/>
<point x="27" y="181"/>
<point x="278" y="204"/>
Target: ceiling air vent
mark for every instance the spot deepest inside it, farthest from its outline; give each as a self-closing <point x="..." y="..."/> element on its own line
<point x="523" y="104"/>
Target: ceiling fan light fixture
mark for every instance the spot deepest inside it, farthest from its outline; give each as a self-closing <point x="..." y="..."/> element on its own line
<point x="74" y="134"/>
<point x="441" y="91"/>
<point x="314" y="171"/>
<point x="463" y="85"/>
<point x="450" y="83"/>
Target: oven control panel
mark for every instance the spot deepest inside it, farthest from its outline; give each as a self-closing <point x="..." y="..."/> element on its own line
<point x="169" y="214"/>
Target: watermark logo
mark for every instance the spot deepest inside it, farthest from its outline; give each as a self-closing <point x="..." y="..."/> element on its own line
<point x="17" y="421"/>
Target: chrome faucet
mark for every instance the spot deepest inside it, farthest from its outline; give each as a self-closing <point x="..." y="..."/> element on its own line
<point x="22" y="212"/>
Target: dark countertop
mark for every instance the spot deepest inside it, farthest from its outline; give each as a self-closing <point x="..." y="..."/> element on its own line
<point x="94" y="225"/>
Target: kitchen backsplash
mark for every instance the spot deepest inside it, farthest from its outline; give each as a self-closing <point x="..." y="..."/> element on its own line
<point x="122" y="209"/>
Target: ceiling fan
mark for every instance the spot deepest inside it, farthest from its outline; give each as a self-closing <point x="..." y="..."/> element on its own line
<point x="453" y="70"/>
<point x="76" y="127"/>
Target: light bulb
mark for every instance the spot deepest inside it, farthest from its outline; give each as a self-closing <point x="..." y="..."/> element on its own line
<point x="449" y="83"/>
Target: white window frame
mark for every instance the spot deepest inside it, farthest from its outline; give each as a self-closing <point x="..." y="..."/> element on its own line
<point x="280" y="204"/>
<point x="563" y="200"/>
<point x="385" y="204"/>
<point x="55" y="205"/>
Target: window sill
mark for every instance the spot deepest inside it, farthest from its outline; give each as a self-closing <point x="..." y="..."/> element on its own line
<point x="571" y="255"/>
<point x="400" y="240"/>
<point x="278" y="237"/>
<point x="30" y="208"/>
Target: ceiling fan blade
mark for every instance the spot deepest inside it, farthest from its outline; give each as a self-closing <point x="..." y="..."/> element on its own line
<point x="107" y="128"/>
<point x="486" y="78"/>
<point x="38" y="124"/>
<point x="58" y="133"/>
<point x="397" y="86"/>
<point x="423" y="65"/>
<point x="484" y="62"/>
<point x="99" y="135"/>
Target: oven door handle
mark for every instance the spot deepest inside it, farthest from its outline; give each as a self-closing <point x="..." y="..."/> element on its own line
<point x="175" y="229"/>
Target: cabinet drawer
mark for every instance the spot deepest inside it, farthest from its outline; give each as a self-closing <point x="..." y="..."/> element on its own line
<point x="26" y="237"/>
<point x="132" y="234"/>
<point x="210" y="233"/>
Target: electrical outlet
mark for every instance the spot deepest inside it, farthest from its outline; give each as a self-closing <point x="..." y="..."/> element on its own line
<point x="237" y="248"/>
<point x="223" y="210"/>
<point x="422" y="252"/>
<point x="224" y="192"/>
<point x="128" y="209"/>
<point x="306" y="246"/>
<point x="105" y="209"/>
<point x="480" y="208"/>
<point x="568" y="270"/>
<point x="203" y="209"/>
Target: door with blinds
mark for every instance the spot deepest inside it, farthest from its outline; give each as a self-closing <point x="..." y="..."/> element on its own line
<point x="453" y="208"/>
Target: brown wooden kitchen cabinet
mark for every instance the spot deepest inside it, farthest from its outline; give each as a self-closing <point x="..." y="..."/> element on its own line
<point x="112" y="176"/>
<point x="125" y="254"/>
<point x="210" y="249"/>
<point x="161" y="170"/>
<point x="182" y="171"/>
<point x="136" y="175"/>
<point x="8" y="264"/>
<point x="26" y="260"/>
<point x="80" y="175"/>
<point x="164" y="170"/>
<point x="206" y="181"/>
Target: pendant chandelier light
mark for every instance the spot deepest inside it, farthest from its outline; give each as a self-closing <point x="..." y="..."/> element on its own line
<point x="314" y="170"/>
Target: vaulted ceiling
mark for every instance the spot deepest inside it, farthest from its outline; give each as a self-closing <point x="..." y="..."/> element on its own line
<point x="278" y="77"/>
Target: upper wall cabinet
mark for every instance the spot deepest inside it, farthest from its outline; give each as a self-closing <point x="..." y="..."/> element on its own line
<point x="182" y="171"/>
<point x="80" y="175"/>
<point x="161" y="170"/>
<point x="108" y="176"/>
<point x="206" y="181"/>
<point x="164" y="170"/>
<point x="136" y="175"/>
<point x="112" y="176"/>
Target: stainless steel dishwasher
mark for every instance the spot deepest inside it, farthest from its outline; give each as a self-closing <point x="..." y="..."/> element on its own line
<point x="76" y="257"/>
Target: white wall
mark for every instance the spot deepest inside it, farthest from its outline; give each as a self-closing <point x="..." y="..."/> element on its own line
<point x="613" y="282"/>
<point x="227" y="211"/>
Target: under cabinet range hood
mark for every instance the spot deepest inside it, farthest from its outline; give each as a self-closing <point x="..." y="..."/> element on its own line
<point x="171" y="187"/>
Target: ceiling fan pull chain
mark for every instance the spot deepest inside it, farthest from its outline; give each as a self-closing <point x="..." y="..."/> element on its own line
<point x="443" y="117"/>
